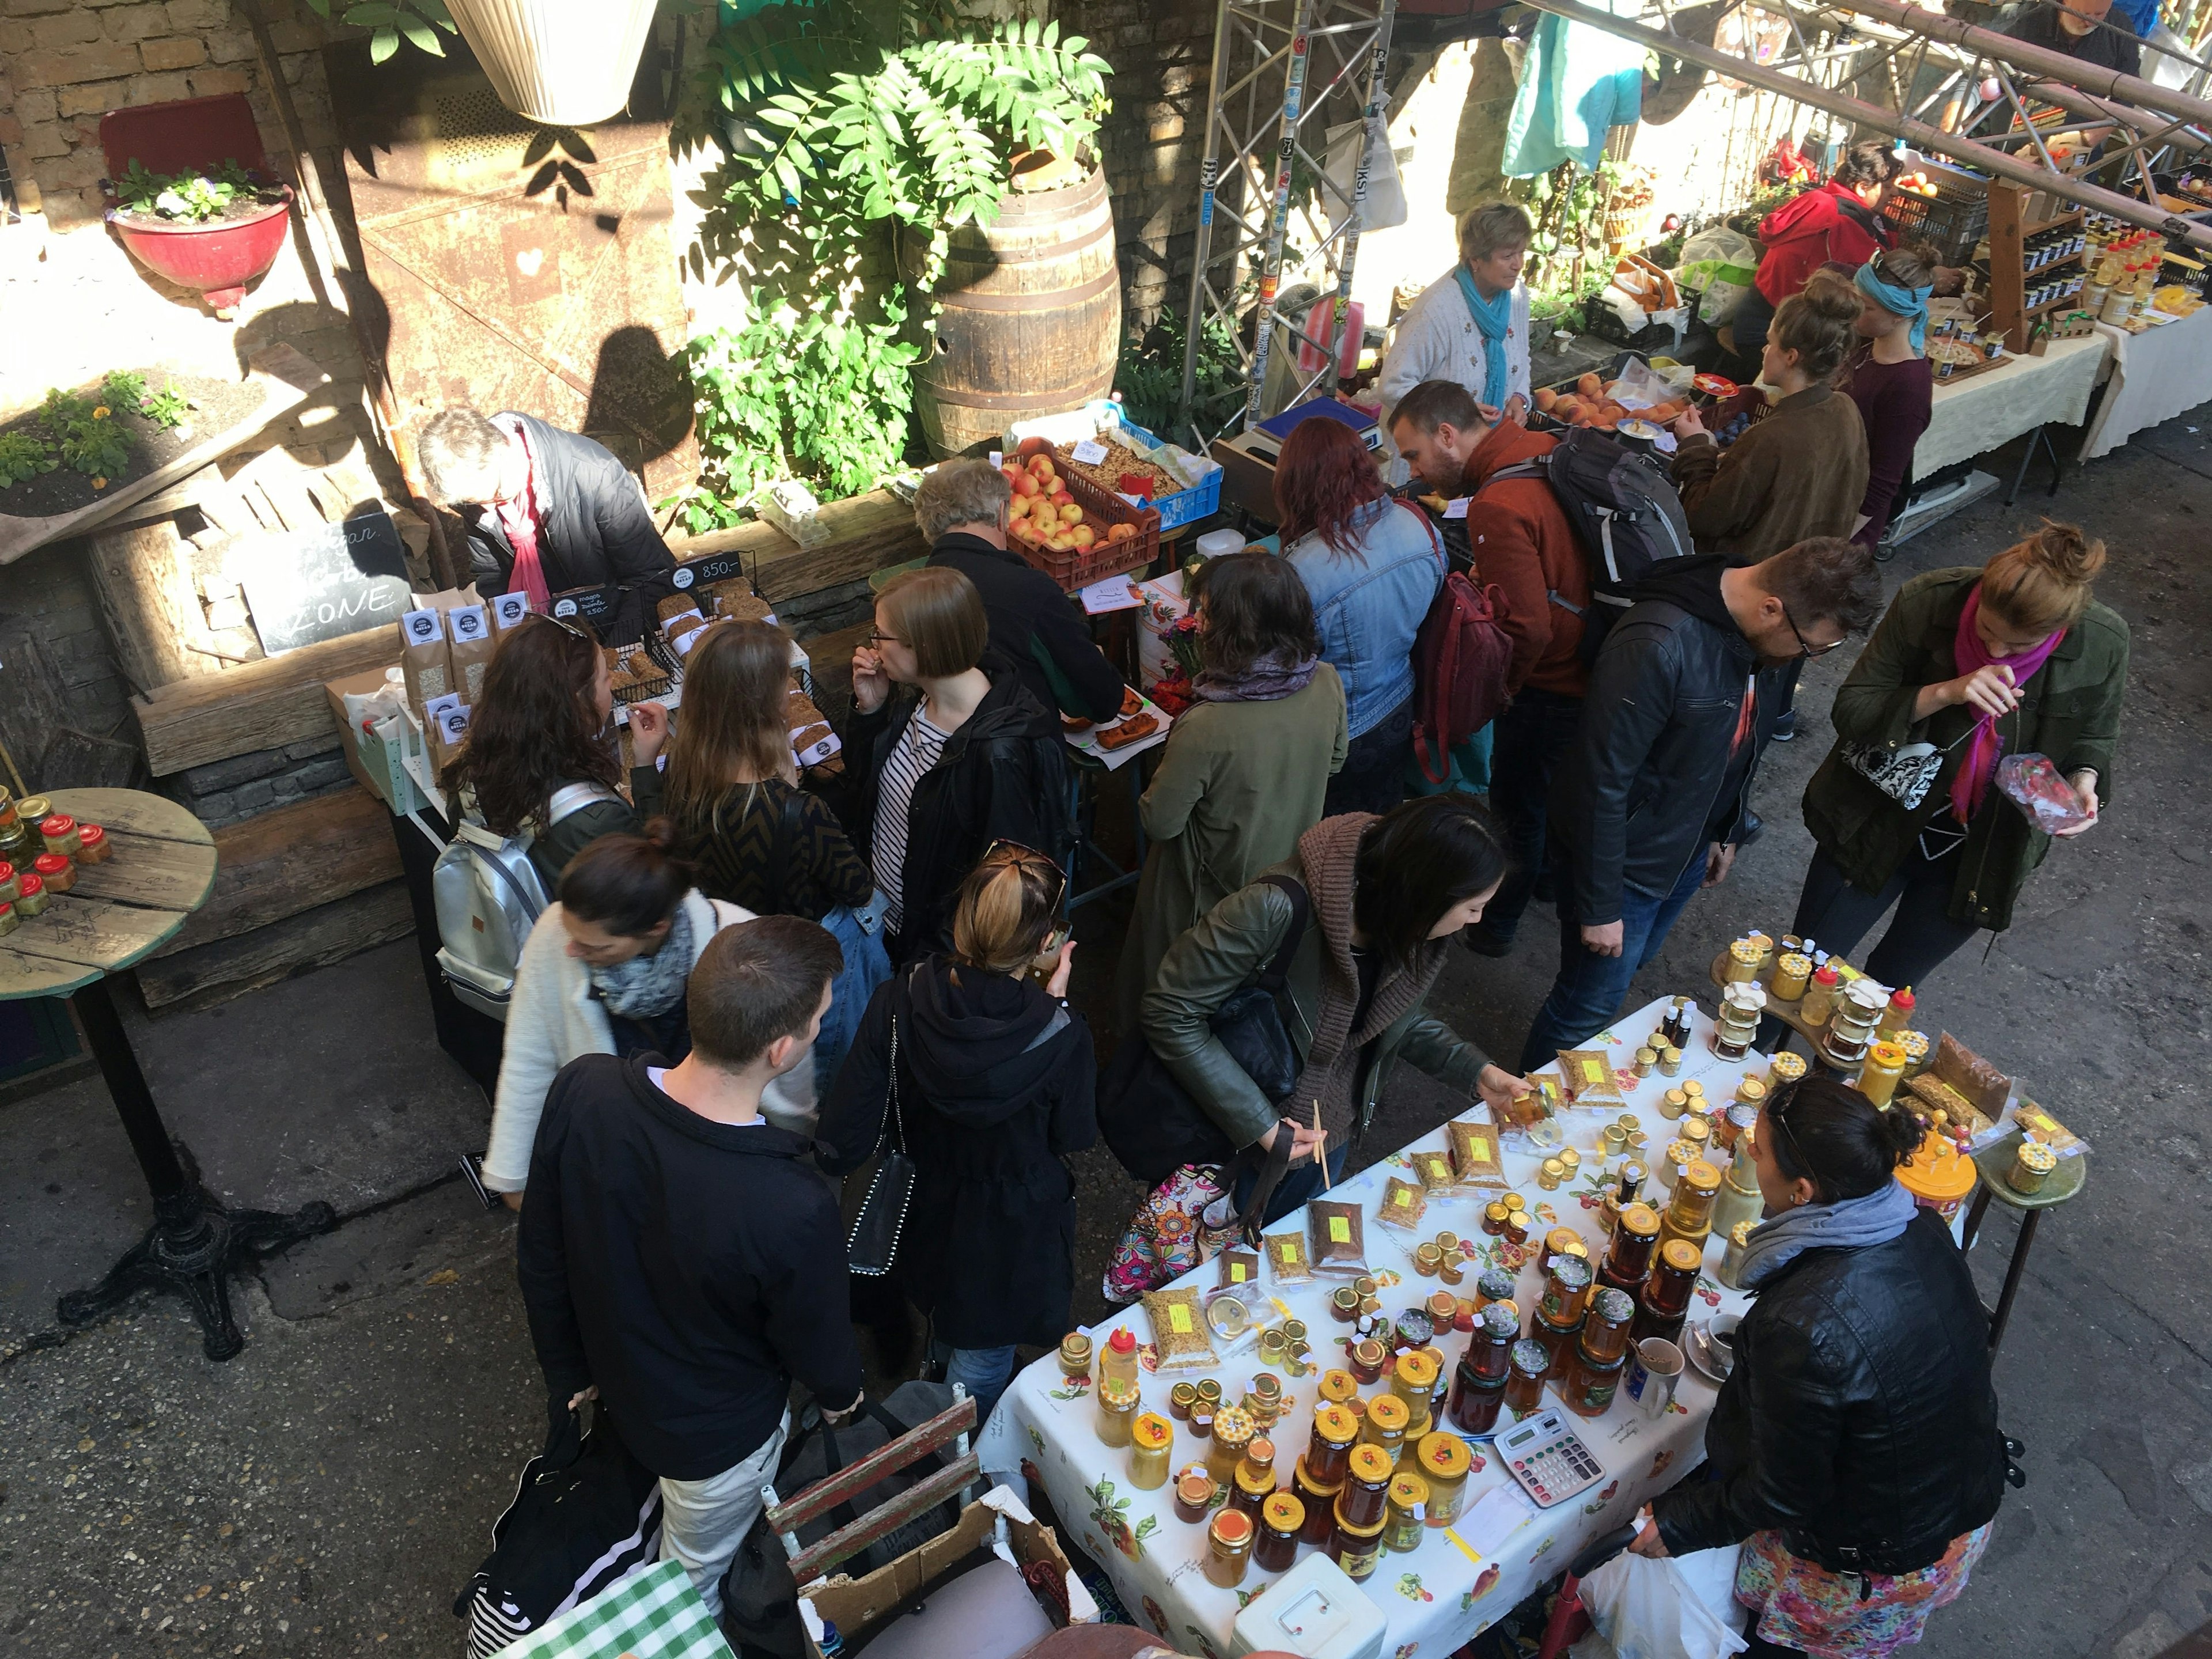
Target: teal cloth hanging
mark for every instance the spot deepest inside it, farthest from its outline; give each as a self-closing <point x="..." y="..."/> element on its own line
<point x="1575" y="82"/>
<point x="1492" y="318"/>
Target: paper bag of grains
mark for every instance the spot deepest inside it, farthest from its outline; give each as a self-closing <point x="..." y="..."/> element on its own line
<point x="470" y="645"/>
<point x="507" y="611"/>
<point x="424" y="657"/>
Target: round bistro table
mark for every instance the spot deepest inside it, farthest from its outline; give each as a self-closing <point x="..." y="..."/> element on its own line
<point x="117" y="914"/>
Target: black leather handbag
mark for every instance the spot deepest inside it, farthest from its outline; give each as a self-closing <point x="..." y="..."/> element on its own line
<point x="874" y="1243"/>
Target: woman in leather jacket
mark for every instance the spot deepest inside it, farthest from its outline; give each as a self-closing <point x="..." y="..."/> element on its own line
<point x="1854" y="1451"/>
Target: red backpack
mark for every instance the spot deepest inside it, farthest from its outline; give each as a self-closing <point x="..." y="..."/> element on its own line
<point x="1460" y="657"/>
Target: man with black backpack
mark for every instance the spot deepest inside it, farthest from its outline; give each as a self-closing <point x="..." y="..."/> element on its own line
<point x="1520" y="539"/>
<point x="680" y="1259"/>
<point x="1648" y="803"/>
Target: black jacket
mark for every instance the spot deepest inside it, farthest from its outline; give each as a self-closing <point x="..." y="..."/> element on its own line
<point x="1003" y="776"/>
<point x="1036" y="626"/>
<point x="597" y="531"/>
<point x="1859" y="1421"/>
<point x="1630" y="803"/>
<point x="691" y="1269"/>
<point x="2036" y="24"/>
<point x="994" y="1082"/>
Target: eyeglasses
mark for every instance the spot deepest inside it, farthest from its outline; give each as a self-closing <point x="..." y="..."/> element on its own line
<point x="886" y="639"/>
<point x="569" y="627"/>
<point x="1013" y="852"/>
<point x="1781" y="1101"/>
<point x="1804" y="644"/>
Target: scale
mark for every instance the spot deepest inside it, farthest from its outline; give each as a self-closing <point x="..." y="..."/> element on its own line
<point x="1549" y="1459"/>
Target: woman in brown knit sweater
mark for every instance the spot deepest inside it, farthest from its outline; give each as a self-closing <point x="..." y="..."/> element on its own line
<point x="1800" y="469"/>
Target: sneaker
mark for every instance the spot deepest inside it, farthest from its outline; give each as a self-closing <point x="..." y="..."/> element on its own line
<point x="1753" y="827"/>
<point x="1484" y="943"/>
<point x="1785" y="729"/>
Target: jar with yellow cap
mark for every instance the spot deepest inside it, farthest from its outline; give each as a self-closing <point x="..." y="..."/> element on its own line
<point x="1738" y="1198"/>
<point x="1334" y="1430"/>
<point x="1117" y="1404"/>
<point x="1938" y="1176"/>
<point x="1151" y="1451"/>
<point x="1413" y="1380"/>
<point x="1691" y="1214"/>
<point x="1743" y="961"/>
<point x="1255" y="1476"/>
<point x="1357" y="1550"/>
<point x="1282" y="1518"/>
<point x="1233" y="1430"/>
<point x="1406" y="1519"/>
<point x="1385" y="1424"/>
<point x="1366" y="1478"/>
<point x="1696" y="1129"/>
<point x="1320" y="1501"/>
<point x="1228" y="1547"/>
<point x="1549" y="1176"/>
<point x="1338" y="1386"/>
<point x="1672" y="1104"/>
<point x="1792" y="973"/>
<point x="1730" y="1272"/>
<point x="1878" y="1073"/>
<point x="1784" y="1067"/>
<point x="2032" y="1165"/>
<point x="1445" y="1461"/>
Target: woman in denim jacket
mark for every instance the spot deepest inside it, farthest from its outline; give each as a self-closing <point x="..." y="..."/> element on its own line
<point x="1373" y="565"/>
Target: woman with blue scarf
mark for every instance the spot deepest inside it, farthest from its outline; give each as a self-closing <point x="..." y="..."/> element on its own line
<point x="1470" y="326"/>
<point x="1889" y="379"/>
<point x="1854" y="1451"/>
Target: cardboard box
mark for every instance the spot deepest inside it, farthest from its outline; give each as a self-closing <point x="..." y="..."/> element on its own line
<point x="375" y="765"/>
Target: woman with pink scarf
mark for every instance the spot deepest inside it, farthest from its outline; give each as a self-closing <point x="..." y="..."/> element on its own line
<point x="1968" y="667"/>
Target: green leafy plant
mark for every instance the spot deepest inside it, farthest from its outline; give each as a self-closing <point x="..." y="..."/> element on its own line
<point x="23" y="456"/>
<point x="165" y="408"/>
<point x="125" y="389"/>
<point x="91" y="440"/>
<point x="192" y="195"/>
<point x="802" y="396"/>
<point x="1149" y="377"/>
<point x="416" y="22"/>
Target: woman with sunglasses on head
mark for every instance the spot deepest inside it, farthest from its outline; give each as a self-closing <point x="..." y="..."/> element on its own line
<point x="1889" y="378"/>
<point x="1967" y="665"/>
<point x="1854" y="1451"/>
<point x="984" y="1076"/>
<point x="951" y="752"/>
<point x="541" y="758"/>
<point x="1384" y="896"/>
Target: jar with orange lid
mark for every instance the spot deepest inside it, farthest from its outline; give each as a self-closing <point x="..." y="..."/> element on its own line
<point x="58" y="831"/>
<point x="58" y="873"/>
<point x="1233" y="1430"/>
<point x="1229" y="1540"/>
<point x="1628" y="1259"/>
<point x="92" y="844"/>
<point x="1357" y="1550"/>
<point x="30" y="896"/>
<point x="1404" y="1521"/>
<point x="1385" y="1424"/>
<point x="1335" y="1430"/>
<point x="1255" y="1476"/>
<point x="1690" y="1215"/>
<point x="1194" y="1494"/>
<point x="1937" y="1176"/>
<point x="1445" y="1461"/>
<point x="1320" y="1499"/>
<point x="1152" y="1449"/>
<point x="1117" y="1404"/>
<point x="1282" y="1518"/>
<point x="1524" y="1385"/>
<point x="1366" y="1477"/>
<point x="1664" y="1305"/>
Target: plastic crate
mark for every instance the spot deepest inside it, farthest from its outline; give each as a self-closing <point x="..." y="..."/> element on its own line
<point x="1080" y="566"/>
<point x="1201" y="501"/>
<point x="1953" y="221"/>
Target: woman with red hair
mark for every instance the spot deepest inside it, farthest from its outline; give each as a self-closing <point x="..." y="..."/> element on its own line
<point x="1373" y="567"/>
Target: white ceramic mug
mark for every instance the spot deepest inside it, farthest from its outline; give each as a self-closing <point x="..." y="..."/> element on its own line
<point x="1720" y="1341"/>
<point x="1653" y="1370"/>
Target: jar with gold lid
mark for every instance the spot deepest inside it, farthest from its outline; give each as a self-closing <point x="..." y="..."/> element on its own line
<point x="1664" y="1305"/>
<point x="1743" y="961"/>
<point x="33" y="811"/>
<point x="1879" y="1074"/>
<point x="1445" y="1461"/>
<point x="1442" y="1308"/>
<point x="1152" y="1449"/>
<point x="1672" y="1104"/>
<point x="1282" y="1518"/>
<point x="1646" y="1061"/>
<point x="1329" y="1443"/>
<point x="1516" y="1227"/>
<point x="1428" y="1259"/>
<point x="1404" y="1521"/>
<point x="1678" y="1157"/>
<point x="1357" y="1550"/>
<point x="1670" y="1061"/>
<point x="1320" y="1500"/>
<point x="1075" y="1358"/>
<point x="1549" y="1176"/>
<point x="1557" y="1241"/>
<point x="1612" y="1141"/>
<point x="1255" y="1481"/>
<point x="1117" y="1404"/>
<point x="1338" y="1386"/>
<point x="1194" y="1494"/>
<point x="1730" y="1272"/>
<point x="1697" y="1128"/>
<point x="1367" y="1356"/>
<point x="1494" y="1215"/>
<point x="2032" y="1166"/>
<point x="1233" y="1431"/>
<point x="1366" y="1478"/>
<point x="1228" y="1547"/>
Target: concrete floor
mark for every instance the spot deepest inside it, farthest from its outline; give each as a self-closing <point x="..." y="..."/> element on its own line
<point x="328" y="1492"/>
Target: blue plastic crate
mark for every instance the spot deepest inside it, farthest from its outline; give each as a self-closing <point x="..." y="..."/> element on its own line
<point x="1202" y="500"/>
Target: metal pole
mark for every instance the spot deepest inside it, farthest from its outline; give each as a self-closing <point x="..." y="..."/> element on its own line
<point x="1271" y="270"/>
<point x="1378" y="94"/>
<point x="1996" y="162"/>
<point x="1193" y="316"/>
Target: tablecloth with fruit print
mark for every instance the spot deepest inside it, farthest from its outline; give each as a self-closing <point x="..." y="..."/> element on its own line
<point x="1436" y="1596"/>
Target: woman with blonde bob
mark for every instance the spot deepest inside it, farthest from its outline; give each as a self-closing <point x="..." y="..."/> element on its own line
<point x="1967" y="666"/>
<point x="972" y="1059"/>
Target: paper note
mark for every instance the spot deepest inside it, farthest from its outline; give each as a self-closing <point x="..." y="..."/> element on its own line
<point x="1115" y="593"/>
<point x="1090" y="451"/>
<point x="996" y="459"/>
<point x="1339" y="1230"/>
<point x="1290" y="1250"/>
<point x="1133" y="501"/>
<point x="1236" y="1272"/>
<point x="1401" y="1196"/>
<point x="1179" y="1318"/>
<point x="1479" y="1150"/>
<point x="1494" y="1517"/>
<point x="1456" y="507"/>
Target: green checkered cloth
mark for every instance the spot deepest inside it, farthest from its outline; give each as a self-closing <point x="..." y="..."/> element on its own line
<point x="655" y="1615"/>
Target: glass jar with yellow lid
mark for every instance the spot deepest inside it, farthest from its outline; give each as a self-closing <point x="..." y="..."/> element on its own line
<point x="1282" y="1518"/>
<point x="1152" y="1451"/>
<point x="1117" y="1404"/>
<point x="1405" y="1521"/>
<point x="1445" y="1461"/>
<point x="1229" y="1539"/>
<point x="1385" y="1424"/>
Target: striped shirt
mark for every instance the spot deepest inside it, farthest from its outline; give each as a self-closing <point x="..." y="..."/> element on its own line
<point x="918" y="750"/>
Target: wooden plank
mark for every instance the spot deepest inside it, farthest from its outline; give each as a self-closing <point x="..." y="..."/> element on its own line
<point x="865" y="534"/>
<point x="314" y="939"/>
<point x="278" y="700"/>
<point x="279" y="864"/>
<point x="854" y="1479"/>
<point x="144" y="579"/>
<point x="288" y="378"/>
<point x="170" y="875"/>
<point x="93" y="932"/>
<point x="884" y="1519"/>
<point x="156" y="818"/>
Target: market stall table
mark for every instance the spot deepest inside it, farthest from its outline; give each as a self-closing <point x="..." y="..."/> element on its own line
<point x="118" y="913"/>
<point x="1995" y="1163"/>
<point x="1437" y="1595"/>
<point x="1972" y="417"/>
<point x="2156" y="375"/>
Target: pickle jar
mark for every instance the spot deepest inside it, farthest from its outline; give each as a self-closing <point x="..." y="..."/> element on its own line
<point x="1566" y="1287"/>
<point x="9" y="919"/>
<point x="1194" y="1494"/>
<point x="1605" y="1328"/>
<point x="1413" y="1380"/>
<point x="1255" y="1481"/>
<point x="1495" y="1284"/>
<point x="1445" y="1461"/>
<point x="58" y="873"/>
<point x="1406" y="1519"/>
<point x="1367" y="1361"/>
<point x="1320" y="1501"/>
<point x="59" y="832"/>
<point x="1366" y="1478"/>
<point x="1233" y="1430"/>
<point x="1385" y="1425"/>
<point x="1152" y="1449"/>
<point x="1282" y="1518"/>
<point x="1228" y="1547"/>
<point x="1587" y="1386"/>
<point x="1335" y="1430"/>
<point x="1117" y="1412"/>
<point x="1628" y="1260"/>
<point x="1524" y="1386"/>
<point x="1357" y="1550"/>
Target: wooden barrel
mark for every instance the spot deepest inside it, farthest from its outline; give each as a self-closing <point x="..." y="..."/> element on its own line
<point x="1032" y="317"/>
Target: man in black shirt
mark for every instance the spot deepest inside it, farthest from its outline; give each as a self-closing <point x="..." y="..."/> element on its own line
<point x="2089" y="30"/>
<point x="681" y="1261"/>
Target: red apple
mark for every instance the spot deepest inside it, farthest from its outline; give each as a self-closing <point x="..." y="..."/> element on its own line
<point x="1024" y="484"/>
<point x="1071" y="513"/>
<point x="1029" y="446"/>
<point x="1040" y="466"/>
<point x="1081" y="536"/>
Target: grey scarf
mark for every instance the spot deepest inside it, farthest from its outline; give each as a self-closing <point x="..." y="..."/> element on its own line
<point x="1848" y="1224"/>
<point x="647" y="986"/>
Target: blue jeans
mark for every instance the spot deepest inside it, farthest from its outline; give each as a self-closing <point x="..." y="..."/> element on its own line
<point x="1374" y="775"/>
<point x="1300" y="1184"/>
<point x="984" y="1372"/>
<point x="1589" y="987"/>
<point x="1533" y="733"/>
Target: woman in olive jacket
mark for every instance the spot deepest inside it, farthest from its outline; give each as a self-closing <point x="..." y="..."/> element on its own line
<point x="1968" y="664"/>
<point x="1384" y="897"/>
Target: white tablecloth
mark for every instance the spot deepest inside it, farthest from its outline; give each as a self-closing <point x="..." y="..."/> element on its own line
<point x="1435" y="1597"/>
<point x="2156" y="375"/>
<point x="1971" y="417"/>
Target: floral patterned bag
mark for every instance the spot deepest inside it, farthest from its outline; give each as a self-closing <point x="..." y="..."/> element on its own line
<point x="1170" y="1233"/>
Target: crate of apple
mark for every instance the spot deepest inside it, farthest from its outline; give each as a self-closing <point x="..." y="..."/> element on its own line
<point x="1069" y="528"/>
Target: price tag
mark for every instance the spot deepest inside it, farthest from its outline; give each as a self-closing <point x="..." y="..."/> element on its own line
<point x="1402" y="1197"/>
<point x="1479" y="1150"/>
<point x="1090" y="451"/>
<point x="1339" y="1230"/>
<point x="1290" y="1251"/>
<point x="1179" y="1318"/>
<point x="998" y="459"/>
<point x="1236" y="1272"/>
<point x="1133" y="501"/>
<point x="1457" y="509"/>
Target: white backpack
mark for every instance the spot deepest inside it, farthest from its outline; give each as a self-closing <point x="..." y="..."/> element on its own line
<point x="489" y="896"/>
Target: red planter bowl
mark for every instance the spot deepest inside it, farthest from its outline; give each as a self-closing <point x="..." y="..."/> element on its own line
<point x="219" y="260"/>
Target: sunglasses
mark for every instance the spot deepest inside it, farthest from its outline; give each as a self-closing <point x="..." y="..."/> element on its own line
<point x="1775" y="1108"/>
<point x="1013" y="852"/>
<point x="572" y="629"/>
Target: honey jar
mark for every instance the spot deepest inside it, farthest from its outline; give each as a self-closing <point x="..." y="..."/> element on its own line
<point x="1428" y="1259"/>
<point x="1357" y="1550"/>
<point x="1209" y="1395"/>
<point x="1570" y="1161"/>
<point x="1673" y="1104"/>
<point x="1736" y="1026"/>
<point x="1742" y="962"/>
<point x="1329" y="1444"/>
<point x="1730" y="1272"/>
<point x="1445" y="1461"/>
<point x="1665" y="1303"/>
<point x="1784" y="1067"/>
<point x="1878" y="1076"/>
<point x="2032" y="1166"/>
<point x="1366" y="1479"/>
<point x="1548" y="1177"/>
<point x="58" y="872"/>
<point x="58" y="831"/>
<point x="1385" y="1424"/>
<point x="1628" y="1259"/>
<point x="1339" y="1387"/>
<point x="1075" y="1361"/>
<point x="1556" y="1336"/>
<point x="1494" y="1217"/>
<point x="1413" y="1380"/>
<point x="1443" y="1309"/>
<point x="1495" y="1284"/>
<point x="1587" y="1386"/>
<point x="1850" y="1028"/>
<point x="30" y="896"/>
<point x="1194" y="1494"/>
<point x="1898" y="1014"/>
<point x="1282" y="1518"/>
<point x="93" y="846"/>
<point x="1344" y="1304"/>
<point x="1404" y="1521"/>
<point x="1233" y="1431"/>
<point x="1228" y="1548"/>
<point x="1670" y="1061"/>
<point x="1604" y="1336"/>
<point x="1793" y="972"/>
<point x="1514" y="1201"/>
<point x="1611" y="1141"/>
<point x="1566" y="1287"/>
<point x="1320" y="1501"/>
<point x="1516" y="1227"/>
<point x="1820" y="996"/>
<point x="1255" y="1478"/>
<point x="1646" y="1061"/>
<point x="1117" y="1404"/>
<point x="1524" y="1383"/>
<point x="1152" y="1449"/>
<point x="1367" y="1361"/>
<point x="1691" y="1215"/>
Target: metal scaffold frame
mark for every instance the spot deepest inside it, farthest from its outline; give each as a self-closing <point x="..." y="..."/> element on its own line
<point x="1281" y="68"/>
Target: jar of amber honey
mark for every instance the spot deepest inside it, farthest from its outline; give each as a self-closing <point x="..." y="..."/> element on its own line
<point x="1229" y="1548"/>
<point x="1367" y="1357"/>
<point x="1691" y="1214"/>
<point x="1586" y="1385"/>
<point x="1194" y="1494"/>
<point x="1366" y="1479"/>
<point x="1117" y="1404"/>
<point x="1566" y="1287"/>
<point x="1405" y="1521"/>
<point x="1255" y="1476"/>
<point x="1413" y="1380"/>
<point x="1605" y="1328"/>
<point x="1445" y="1461"/>
<point x="1075" y="1359"/>
<point x="1320" y="1501"/>
<point x="1635" y="1240"/>
<point x="1282" y="1518"/>
<point x="1335" y="1430"/>
<point x="1152" y="1449"/>
<point x="1357" y="1550"/>
<point x="1665" y="1303"/>
<point x="1524" y="1386"/>
<point x="1494" y="1215"/>
<point x="1385" y="1424"/>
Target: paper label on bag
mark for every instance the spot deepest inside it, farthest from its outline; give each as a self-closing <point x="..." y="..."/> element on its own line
<point x="1479" y="1150"/>
<point x="454" y="725"/>
<point x="470" y="624"/>
<point x="998" y="458"/>
<point x="1339" y="1230"/>
<point x="1179" y="1320"/>
<point x="683" y="577"/>
<point x="1090" y="451"/>
<point x="437" y="707"/>
<point x="509" y="609"/>
<point x="1236" y="1272"/>
<point x="1290" y="1251"/>
<point x="1456" y="507"/>
<point x="564" y="607"/>
<point x="1402" y="1197"/>
<point x="423" y="627"/>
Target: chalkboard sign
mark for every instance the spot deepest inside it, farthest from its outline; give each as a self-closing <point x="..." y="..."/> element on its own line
<point x="592" y="604"/>
<point x="323" y="583"/>
<point x="715" y="568"/>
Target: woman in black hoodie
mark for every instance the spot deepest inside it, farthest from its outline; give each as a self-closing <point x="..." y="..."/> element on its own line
<point x="993" y="1084"/>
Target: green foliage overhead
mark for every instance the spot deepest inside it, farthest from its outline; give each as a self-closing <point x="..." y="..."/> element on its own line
<point x="416" y="22"/>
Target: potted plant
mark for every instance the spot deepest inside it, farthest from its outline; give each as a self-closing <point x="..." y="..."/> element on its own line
<point x="214" y="229"/>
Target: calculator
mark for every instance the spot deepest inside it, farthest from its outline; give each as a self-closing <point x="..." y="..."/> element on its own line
<point x="1549" y="1459"/>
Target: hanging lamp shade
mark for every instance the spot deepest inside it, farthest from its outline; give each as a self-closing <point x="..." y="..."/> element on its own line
<point x="560" y="63"/>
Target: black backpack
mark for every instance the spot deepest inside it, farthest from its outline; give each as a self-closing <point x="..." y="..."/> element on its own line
<point x="1625" y="512"/>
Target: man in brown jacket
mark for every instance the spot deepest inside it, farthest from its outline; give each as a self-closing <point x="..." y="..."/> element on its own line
<point x="1519" y="539"/>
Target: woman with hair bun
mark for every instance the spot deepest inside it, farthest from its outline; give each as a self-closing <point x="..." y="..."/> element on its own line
<point x="1967" y="666"/>
<point x="603" y="973"/>
<point x="1800" y="469"/>
<point x="1889" y="378"/>
<point x="1854" y="1451"/>
<point x="992" y="1075"/>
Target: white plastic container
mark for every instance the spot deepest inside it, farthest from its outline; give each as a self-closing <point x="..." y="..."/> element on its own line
<point x="1313" y="1611"/>
<point x="1215" y="543"/>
